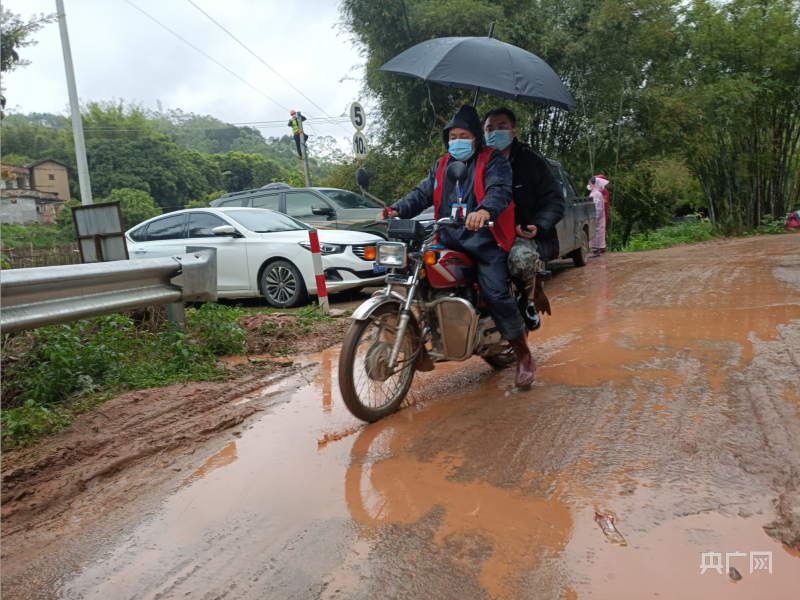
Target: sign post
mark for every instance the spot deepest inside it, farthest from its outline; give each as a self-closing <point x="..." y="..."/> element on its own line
<point x="319" y="274"/>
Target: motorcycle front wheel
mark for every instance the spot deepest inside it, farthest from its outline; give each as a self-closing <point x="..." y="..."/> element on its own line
<point x="370" y="388"/>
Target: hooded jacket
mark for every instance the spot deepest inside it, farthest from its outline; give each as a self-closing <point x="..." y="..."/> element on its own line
<point x="497" y="179"/>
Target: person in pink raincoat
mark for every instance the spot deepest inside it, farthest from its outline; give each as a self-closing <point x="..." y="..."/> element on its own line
<point x="596" y="187"/>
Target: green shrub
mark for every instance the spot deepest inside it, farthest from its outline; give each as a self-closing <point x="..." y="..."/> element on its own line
<point x="32" y="421"/>
<point x="770" y="226"/>
<point x="217" y="328"/>
<point x="61" y="370"/>
<point x="687" y="232"/>
<point x="66" y="358"/>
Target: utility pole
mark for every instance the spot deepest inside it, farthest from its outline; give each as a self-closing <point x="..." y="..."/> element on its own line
<point x="303" y="149"/>
<point x="77" y="124"/>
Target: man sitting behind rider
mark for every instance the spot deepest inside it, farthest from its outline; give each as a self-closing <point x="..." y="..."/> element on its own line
<point x="486" y="195"/>
<point x="538" y="205"/>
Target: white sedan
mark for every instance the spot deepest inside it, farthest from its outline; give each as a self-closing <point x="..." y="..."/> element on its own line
<point x="260" y="252"/>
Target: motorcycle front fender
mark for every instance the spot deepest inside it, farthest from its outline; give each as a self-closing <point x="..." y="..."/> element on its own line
<point x="370" y="306"/>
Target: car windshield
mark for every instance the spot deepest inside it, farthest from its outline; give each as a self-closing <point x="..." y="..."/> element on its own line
<point x="350" y="200"/>
<point x="265" y="221"/>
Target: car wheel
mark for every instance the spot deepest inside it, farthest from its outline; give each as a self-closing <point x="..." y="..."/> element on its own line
<point x="580" y="256"/>
<point x="282" y="285"/>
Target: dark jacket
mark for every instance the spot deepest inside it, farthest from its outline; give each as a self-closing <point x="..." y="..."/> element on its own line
<point x="496" y="181"/>
<point x="538" y="197"/>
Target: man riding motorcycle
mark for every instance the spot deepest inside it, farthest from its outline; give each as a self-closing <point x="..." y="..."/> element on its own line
<point x="487" y="195"/>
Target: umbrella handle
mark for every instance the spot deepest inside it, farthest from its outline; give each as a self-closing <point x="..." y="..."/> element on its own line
<point x="491" y="33"/>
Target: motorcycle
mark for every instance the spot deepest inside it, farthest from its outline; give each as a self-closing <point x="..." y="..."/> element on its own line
<point x="442" y="306"/>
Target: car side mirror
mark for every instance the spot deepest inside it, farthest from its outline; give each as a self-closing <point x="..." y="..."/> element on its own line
<point x="225" y="231"/>
<point x="321" y="210"/>
<point x="362" y="178"/>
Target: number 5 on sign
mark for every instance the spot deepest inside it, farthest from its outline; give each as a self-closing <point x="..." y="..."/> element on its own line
<point x="360" y="145"/>
<point x="357" y="116"/>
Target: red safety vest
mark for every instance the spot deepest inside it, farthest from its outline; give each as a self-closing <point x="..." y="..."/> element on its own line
<point x="503" y="229"/>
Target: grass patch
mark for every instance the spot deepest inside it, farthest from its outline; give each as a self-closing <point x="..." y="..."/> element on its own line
<point x="41" y="236"/>
<point x="54" y="373"/>
<point x="688" y="232"/>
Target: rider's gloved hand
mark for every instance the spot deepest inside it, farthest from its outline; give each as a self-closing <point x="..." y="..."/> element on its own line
<point x="386" y="213"/>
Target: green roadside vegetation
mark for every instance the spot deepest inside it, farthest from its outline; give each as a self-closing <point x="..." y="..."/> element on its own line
<point x="687" y="232"/>
<point x="54" y="373"/>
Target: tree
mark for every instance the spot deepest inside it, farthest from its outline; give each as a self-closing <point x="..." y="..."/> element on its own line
<point x="136" y="206"/>
<point x="713" y="87"/>
<point x="152" y="164"/>
<point x="16" y="160"/>
<point x="247" y="171"/>
<point x="15" y="33"/>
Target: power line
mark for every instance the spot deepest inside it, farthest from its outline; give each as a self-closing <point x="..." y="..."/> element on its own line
<point x="206" y="55"/>
<point x="263" y="62"/>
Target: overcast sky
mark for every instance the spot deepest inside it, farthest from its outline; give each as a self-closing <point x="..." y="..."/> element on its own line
<point x="120" y="53"/>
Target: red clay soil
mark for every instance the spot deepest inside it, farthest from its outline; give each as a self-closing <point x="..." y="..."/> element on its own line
<point x="279" y="334"/>
<point x="148" y="429"/>
<point x="142" y="425"/>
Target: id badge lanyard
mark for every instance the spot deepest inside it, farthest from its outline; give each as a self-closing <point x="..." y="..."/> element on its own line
<point x="457" y="211"/>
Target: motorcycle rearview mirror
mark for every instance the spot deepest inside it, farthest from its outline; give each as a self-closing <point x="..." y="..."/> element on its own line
<point x="457" y="172"/>
<point x="362" y="178"/>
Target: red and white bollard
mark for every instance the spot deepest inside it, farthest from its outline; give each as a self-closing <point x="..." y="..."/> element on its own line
<point x="316" y="257"/>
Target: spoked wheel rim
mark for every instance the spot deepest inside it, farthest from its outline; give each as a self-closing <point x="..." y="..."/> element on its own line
<point x="375" y="383"/>
<point x="281" y="285"/>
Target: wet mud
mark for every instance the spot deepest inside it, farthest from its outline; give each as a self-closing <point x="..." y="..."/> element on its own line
<point x="667" y="394"/>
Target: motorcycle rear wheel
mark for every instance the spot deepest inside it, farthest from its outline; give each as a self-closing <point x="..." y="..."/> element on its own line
<point x="370" y="390"/>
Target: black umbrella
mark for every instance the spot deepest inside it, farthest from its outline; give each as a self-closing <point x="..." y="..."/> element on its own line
<point x="486" y="65"/>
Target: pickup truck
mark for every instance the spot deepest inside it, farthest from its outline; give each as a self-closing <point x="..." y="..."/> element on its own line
<point x="579" y="224"/>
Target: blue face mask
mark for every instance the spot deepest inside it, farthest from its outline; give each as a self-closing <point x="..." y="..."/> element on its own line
<point x="499" y="139"/>
<point x="460" y="149"/>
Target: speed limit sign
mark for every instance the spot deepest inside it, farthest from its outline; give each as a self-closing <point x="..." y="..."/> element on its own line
<point x="357" y="116"/>
<point x="360" y="145"/>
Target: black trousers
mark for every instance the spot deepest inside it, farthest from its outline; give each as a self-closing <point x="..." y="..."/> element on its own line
<point x="297" y="143"/>
<point x="492" y="263"/>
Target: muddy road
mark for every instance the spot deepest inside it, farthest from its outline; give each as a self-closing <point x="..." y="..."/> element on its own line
<point x="667" y="394"/>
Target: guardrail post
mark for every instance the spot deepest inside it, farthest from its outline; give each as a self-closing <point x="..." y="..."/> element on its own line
<point x="319" y="274"/>
<point x="176" y="313"/>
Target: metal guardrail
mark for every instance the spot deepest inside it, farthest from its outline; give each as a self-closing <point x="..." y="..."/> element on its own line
<point x="32" y="298"/>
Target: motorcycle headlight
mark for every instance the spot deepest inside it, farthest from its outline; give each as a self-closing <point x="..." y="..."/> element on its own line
<point x="391" y="255"/>
<point x="324" y="248"/>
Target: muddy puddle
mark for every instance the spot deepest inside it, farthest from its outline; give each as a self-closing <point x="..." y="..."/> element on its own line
<point x="674" y="408"/>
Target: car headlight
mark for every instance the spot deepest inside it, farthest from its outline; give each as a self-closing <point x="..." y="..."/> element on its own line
<point x="324" y="248"/>
<point x="391" y="255"/>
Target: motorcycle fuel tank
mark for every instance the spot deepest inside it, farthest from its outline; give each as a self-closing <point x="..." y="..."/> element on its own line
<point x="452" y="269"/>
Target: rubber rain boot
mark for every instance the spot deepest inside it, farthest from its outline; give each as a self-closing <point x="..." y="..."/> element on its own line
<point x="526" y="364"/>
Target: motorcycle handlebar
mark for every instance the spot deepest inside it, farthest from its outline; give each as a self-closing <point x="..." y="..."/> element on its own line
<point x="448" y="222"/>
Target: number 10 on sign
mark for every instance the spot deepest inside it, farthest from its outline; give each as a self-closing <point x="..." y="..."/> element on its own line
<point x="360" y="145"/>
